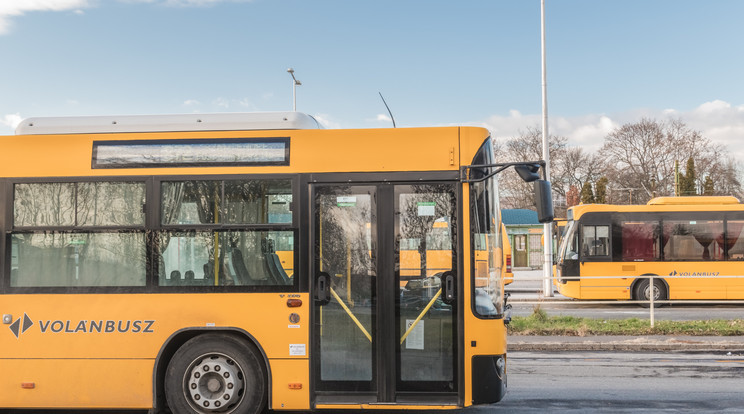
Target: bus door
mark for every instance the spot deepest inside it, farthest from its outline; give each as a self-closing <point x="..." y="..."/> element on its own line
<point x="520" y="250"/>
<point x="384" y="266"/>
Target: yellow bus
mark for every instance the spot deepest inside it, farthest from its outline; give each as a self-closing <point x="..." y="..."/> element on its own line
<point x="141" y="267"/>
<point x="693" y="244"/>
<point x="508" y="274"/>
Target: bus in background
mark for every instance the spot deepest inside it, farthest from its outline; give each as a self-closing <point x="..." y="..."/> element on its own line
<point x="229" y="263"/>
<point x="507" y="269"/>
<point x="432" y="255"/>
<point x="692" y="245"/>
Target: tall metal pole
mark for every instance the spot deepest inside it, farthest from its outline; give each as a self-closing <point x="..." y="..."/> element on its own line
<point x="547" y="227"/>
<point x="295" y="84"/>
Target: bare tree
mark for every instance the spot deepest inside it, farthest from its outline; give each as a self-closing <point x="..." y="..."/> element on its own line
<point x="639" y="159"/>
<point x="515" y="193"/>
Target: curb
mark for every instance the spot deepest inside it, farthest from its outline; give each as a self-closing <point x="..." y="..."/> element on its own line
<point x="631" y="345"/>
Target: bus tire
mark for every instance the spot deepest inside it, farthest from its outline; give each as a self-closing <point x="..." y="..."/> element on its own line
<point x="642" y="292"/>
<point x="216" y="373"/>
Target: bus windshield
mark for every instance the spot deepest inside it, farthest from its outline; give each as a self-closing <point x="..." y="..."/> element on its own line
<point x="487" y="257"/>
<point x="569" y="244"/>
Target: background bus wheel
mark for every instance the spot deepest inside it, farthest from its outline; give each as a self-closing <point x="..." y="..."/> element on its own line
<point x="215" y="373"/>
<point x="643" y="292"/>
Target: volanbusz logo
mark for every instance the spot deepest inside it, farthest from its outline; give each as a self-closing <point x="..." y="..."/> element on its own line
<point x="19" y="327"/>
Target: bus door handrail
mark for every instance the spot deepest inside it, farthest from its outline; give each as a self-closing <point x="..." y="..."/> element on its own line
<point x="351" y="315"/>
<point x="421" y="315"/>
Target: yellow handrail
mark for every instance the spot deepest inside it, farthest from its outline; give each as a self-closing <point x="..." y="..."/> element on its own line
<point x="421" y="315"/>
<point x="351" y="315"/>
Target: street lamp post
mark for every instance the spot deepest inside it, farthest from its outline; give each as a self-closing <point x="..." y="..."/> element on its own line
<point x="547" y="227"/>
<point x="295" y="84"/>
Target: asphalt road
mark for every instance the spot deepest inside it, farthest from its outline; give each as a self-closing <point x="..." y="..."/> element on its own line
<point x="589" y="382"/>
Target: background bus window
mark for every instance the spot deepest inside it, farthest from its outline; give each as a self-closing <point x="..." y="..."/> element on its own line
<point x="693" y="240"/>
<point x="640" y="241"/>
<point x="735" y="239"/>
<point x="430" y="253"/>
<point x="595" y="241"/>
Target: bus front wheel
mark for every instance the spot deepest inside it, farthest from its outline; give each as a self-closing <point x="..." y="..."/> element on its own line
<point x="215" y="373"/>
<point x="643" y="291"/>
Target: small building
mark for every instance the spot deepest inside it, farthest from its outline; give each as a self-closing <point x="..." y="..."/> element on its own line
<point x="525" y="235"/>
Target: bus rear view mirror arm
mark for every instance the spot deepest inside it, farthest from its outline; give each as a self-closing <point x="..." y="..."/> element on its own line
<point x="529" y="171"/>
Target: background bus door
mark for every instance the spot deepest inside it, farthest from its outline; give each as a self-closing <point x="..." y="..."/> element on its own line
<point x="384" y="334"/>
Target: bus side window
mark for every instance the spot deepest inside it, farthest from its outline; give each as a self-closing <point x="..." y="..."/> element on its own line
<point x="735" y="239"/>
<point x="595" y="241"/>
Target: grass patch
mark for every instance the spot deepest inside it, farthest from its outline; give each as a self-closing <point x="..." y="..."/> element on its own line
<point x="540" y="323"/>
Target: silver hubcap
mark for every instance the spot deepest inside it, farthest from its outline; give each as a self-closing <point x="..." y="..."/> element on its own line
<point x="647" y="292"/>
<point x="214" y="383"/>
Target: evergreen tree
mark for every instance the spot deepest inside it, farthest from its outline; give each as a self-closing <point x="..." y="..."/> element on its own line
<point x="601" y="194"/>
<point x="688" y="179"/>
<point x="708" y="188"/>
<point x="587" y="196"/>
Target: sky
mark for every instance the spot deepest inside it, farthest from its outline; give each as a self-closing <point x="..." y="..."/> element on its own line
<point x="465" y="62"/>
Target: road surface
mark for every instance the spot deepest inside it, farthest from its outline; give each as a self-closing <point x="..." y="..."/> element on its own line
<point x="589" y="382"/>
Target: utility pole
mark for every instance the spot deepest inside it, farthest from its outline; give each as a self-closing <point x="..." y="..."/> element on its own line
<point x="547" y="227"/>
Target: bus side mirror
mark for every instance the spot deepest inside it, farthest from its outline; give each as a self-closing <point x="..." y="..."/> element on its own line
<point x="528" y="172"/>
<point x="543" y="201"/>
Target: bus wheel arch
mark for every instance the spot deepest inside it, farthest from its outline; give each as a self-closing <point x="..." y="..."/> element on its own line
<point x="238" y="338"/>
<point x="640" y="289"/>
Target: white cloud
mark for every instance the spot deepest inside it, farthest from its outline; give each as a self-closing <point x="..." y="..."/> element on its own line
<point x="11" y="120"/>
<point x="326" y="122"/>
<point x="221" y="103"/>
<point x="191" y="102"/>
<point x="713" y="107"/>
<point x="247" y="104"/>
<point x="14" y="8"/>
<point x="199" y="2"/>
<point x="185" y="3"/>
<point x="720" y="121"/>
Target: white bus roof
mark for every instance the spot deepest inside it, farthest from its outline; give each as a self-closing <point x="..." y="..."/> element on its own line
<point x="167" y="123"/>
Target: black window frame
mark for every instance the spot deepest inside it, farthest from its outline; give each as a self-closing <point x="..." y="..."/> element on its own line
<point x="158" y="227"/>
<point x="595" y="257"/>
<point x="9" y="229"/>
<point x="614" y="219"/>
<point x="96" y="164"/>
<point x="151" y="228"/>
